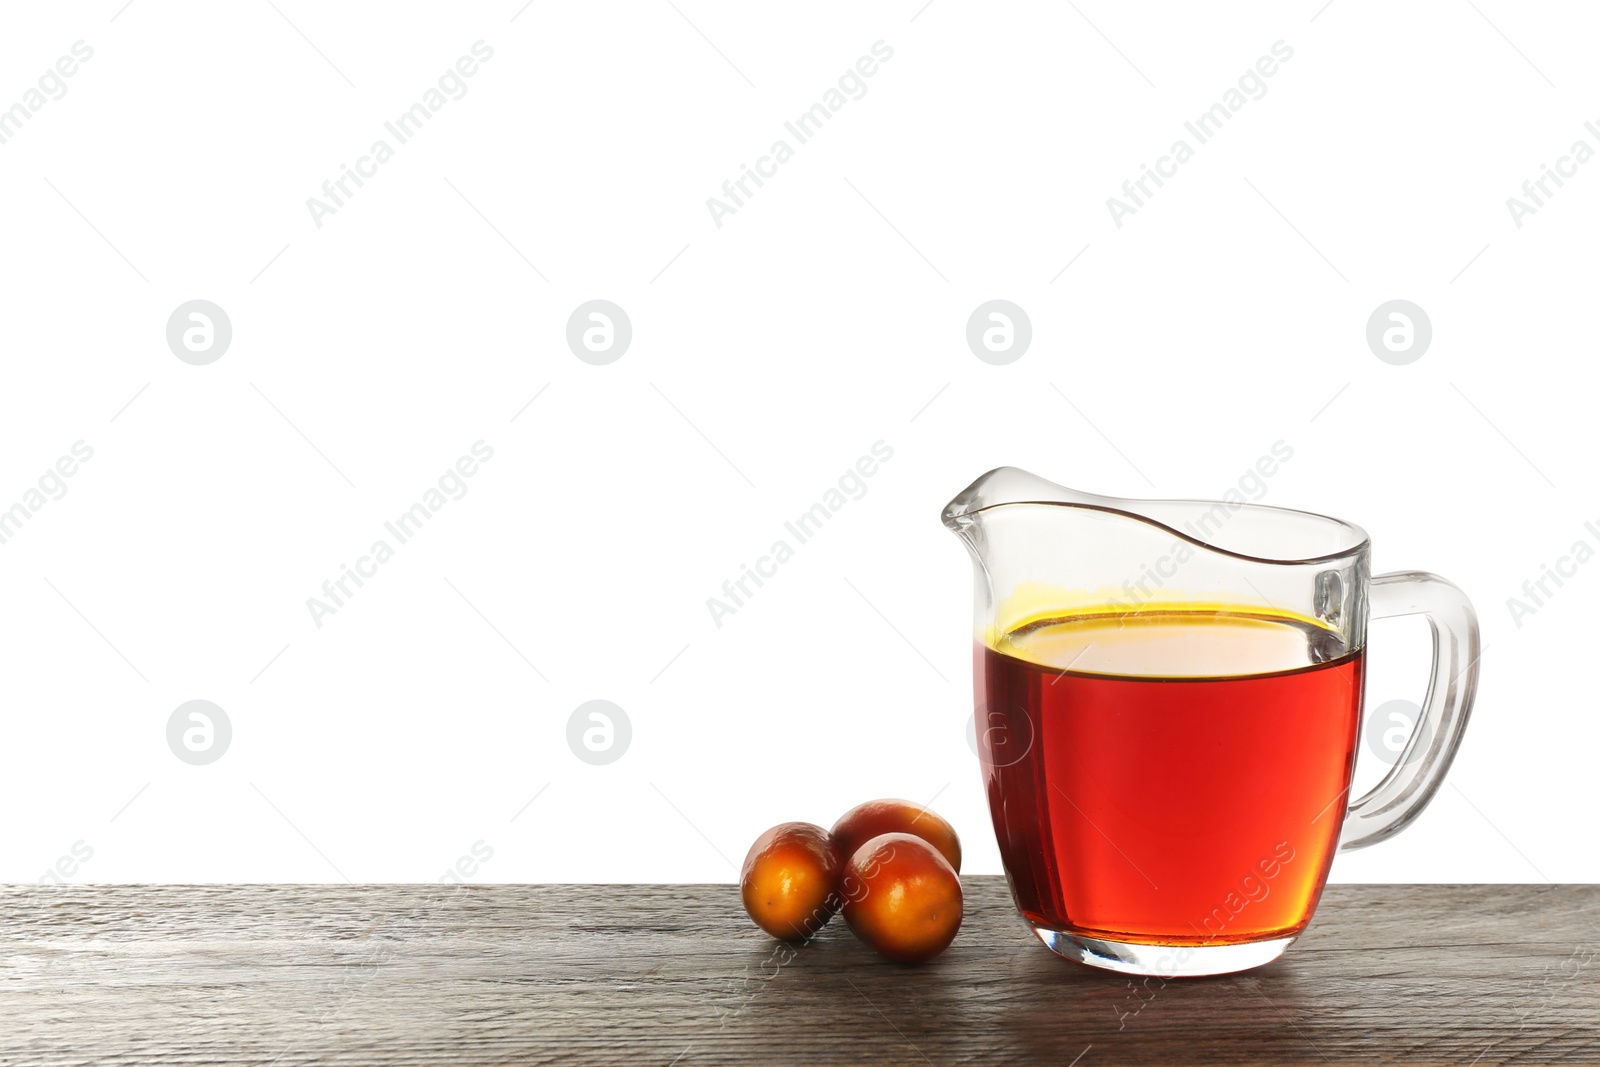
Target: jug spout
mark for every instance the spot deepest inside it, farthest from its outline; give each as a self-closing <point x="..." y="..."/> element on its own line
<point x="1011" y="485"/>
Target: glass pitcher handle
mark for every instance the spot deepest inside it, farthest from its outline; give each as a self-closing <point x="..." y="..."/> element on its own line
<point x="1415" y="777"/>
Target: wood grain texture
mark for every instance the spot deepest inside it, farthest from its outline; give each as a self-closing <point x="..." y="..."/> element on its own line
<point x="393" y="975"/>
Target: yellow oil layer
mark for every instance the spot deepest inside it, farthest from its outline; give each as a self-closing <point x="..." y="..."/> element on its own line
<point x="1171" y="639"/>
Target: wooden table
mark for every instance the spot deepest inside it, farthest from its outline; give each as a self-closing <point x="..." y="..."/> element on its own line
<point x="657" y="975"/>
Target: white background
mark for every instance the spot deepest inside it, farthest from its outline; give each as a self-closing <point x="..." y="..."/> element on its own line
<point x="768" y="354"/>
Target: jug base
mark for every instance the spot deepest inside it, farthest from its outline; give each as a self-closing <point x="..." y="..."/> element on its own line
<point x="1164" y="961"/>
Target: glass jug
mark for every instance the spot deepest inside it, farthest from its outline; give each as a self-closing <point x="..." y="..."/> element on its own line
<point x="1168" y="696"/>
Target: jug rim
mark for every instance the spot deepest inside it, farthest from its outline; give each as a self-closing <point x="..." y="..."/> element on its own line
<point x="970" y="503"/>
